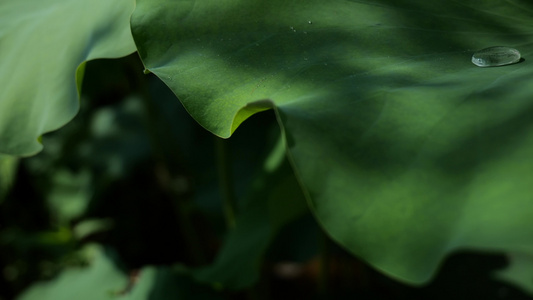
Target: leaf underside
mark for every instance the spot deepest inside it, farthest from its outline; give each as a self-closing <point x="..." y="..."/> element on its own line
<point x="43" y="45"/>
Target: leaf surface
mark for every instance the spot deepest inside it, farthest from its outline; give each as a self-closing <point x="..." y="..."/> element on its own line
<point x="405" y="149"/>
<point x="43" y="45"/>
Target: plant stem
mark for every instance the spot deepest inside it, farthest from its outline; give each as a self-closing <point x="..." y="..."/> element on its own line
<point x="183" y="208"/>
<point x="226" y="182"/>
<point x="194" y="244"/>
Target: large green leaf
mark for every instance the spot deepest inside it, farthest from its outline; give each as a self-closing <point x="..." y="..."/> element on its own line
<point x="43" y="45"/>
<point x="405" y="149"/>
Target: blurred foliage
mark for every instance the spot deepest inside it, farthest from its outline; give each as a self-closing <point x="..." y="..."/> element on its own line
<point x="8" y="168"/>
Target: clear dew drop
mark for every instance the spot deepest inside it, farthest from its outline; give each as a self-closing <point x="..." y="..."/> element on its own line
<point x="495" y="56"/>
<point x="310" y="22"/>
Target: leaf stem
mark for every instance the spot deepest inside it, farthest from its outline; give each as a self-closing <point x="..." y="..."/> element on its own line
<point x="226" y="182"/>
<point x="183" y="208"/>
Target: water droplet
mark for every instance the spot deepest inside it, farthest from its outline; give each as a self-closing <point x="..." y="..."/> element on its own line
<point x="292" y="28"/>
<point x="310" y="22"/>
<point x="495" y="56"/>
<point x="305" y="32"/>
<point x="325" y="64"/>
<point x="305" y="58"/>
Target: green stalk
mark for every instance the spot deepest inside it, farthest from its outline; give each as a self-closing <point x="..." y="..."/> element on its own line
<point x="182" y="207"/>
<point x="194" y="244"/>
<point x="226" y="182"/>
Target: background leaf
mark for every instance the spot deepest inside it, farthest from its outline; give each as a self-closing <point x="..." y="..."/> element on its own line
<point x="274" y="201"/>
<point x="519" y="271"/>
<point x="406" y="150"/>
<point x="42" y="44"/>
<point x="8" y="172"/>
<point x="103" y="280"/>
